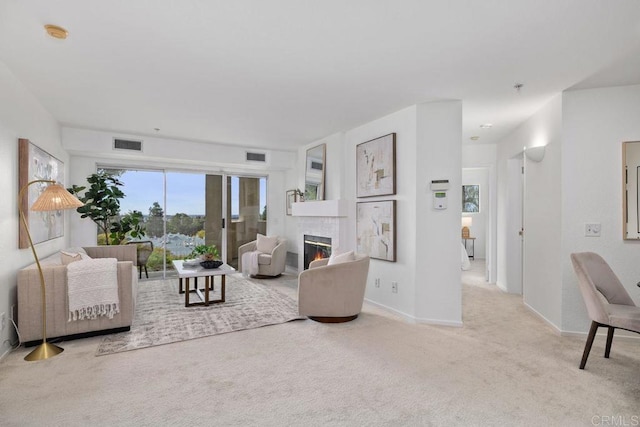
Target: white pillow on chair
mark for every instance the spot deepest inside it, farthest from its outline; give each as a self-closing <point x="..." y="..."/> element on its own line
<point x="265" y="244"/>
<point x="340" y="258"/>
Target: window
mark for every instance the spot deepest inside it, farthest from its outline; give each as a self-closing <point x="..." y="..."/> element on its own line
<point x="470" y="198"/>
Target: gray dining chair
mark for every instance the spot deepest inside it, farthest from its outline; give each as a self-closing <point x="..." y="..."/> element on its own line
<point x="608" y="302"/>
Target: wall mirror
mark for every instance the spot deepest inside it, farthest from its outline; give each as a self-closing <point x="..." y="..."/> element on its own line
<point x="314" y="173"/>
<point x="631" y="190"/>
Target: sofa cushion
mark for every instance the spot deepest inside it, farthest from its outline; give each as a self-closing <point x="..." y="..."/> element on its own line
<point x="266" y="244"/>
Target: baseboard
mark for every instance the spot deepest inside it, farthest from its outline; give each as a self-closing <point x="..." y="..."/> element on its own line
<point x="602" y="332"/>
<point x="412" y="319"/>
<point x="555" y="329"/>
<point x="54" y="340"/>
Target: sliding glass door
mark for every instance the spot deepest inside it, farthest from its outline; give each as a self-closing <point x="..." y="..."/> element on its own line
<point x="247" y="213"/>
<point x="185" y="209"/>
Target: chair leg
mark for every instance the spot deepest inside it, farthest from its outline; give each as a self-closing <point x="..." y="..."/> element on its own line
<point x="589" y="343"/>
<point x="145" y="271"/>
<point x="139" y="272"/>
<point x="607" y="349"/>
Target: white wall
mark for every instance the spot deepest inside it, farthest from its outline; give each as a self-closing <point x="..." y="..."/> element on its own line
<point x="428" y="242"/>
<point x="21" y="116"/>
<point x="403" y="271"/>
<point x="542" y="258"/>
<point x="87" y="148"/>
<point x="437" y="246"/>
<point x="595" y="123"/>
<point x="480" y="220"/>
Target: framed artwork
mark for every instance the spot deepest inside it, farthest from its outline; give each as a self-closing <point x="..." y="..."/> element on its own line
<point x="376" y="229"/>
<point x="35" y="163"/>
<point x="376" y="167"/>
<point x="470" y="198"/>
<point x="291" y="198"/>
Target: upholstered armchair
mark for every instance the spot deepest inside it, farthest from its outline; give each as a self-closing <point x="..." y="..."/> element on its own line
<point x="608" y="302"/>
<point x="271" y="257"/>
<point x="333" y="293"/>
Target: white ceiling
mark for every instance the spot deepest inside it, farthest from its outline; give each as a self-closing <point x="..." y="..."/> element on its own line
<point x="283" y="73"/>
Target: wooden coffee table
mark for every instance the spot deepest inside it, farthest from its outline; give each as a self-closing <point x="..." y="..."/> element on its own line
<point x="209" y="274"/>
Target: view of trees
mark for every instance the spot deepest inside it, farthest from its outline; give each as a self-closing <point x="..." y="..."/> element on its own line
<point x="155" y="221"/>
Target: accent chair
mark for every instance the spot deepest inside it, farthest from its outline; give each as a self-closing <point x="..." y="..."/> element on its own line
<point x="333" y="293"/>
<point x="608" y="302"/>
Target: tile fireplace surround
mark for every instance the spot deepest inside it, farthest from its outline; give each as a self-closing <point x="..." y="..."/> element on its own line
<point x="326" y="218"/>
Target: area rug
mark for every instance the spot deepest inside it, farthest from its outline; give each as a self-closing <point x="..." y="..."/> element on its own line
<point x="162" y="318"/>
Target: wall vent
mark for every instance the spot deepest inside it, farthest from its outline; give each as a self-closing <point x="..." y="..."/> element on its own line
<point x="127" y="144"/>
<point x="256" y="157"/>
<point x="316" y="165"/>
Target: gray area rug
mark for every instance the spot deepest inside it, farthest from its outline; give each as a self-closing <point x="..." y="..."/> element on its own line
<point x="162" y="318"/>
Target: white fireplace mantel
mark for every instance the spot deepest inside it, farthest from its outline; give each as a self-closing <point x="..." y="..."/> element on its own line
<point x="325" y="208"/>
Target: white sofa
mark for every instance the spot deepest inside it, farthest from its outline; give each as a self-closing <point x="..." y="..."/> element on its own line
<point x="55" y="275"/>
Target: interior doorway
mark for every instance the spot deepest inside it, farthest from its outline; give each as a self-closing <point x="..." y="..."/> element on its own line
<point x="515" y="220"/>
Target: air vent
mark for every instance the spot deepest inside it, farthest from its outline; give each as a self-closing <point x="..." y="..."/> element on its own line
<point x="127" y="144"/>
<point x="316" y="166"/>
<point x="256" y="157"/>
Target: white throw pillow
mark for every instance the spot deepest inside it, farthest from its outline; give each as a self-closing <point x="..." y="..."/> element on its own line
<point x="340" y="258"/>
<point x="265" y="244"/>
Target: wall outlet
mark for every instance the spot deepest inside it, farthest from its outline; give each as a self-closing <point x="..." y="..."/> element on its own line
<point x="394" y="287"/>
<point x="3" y="321"/>
<point x="377" y="282"/>
<point x="592" y="229"/>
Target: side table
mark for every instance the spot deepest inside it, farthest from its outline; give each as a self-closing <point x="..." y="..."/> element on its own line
<point x="473" y="246"/>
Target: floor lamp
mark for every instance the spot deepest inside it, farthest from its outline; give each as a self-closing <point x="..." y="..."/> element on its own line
<point x="54" y="198"/>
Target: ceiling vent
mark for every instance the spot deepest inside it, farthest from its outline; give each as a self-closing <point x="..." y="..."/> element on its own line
<point x="127" y="144"/>
<point x="256" y="157"/>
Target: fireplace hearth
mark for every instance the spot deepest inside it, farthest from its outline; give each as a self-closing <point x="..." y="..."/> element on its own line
<point x="316" y="247"/>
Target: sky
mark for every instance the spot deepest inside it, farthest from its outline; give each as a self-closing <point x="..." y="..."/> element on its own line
<point x="185" y="192"/>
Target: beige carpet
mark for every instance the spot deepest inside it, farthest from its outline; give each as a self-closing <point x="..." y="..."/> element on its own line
<point x="161" y="317"/>
<point x="504" y="367"/>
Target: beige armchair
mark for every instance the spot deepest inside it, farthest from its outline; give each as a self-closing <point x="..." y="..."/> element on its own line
<point x="333" y="293"/>
<point x="269" y="264"/>
<point x="608" y="302"/>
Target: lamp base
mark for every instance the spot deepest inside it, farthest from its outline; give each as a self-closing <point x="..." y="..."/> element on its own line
<point x="43" y="351"/>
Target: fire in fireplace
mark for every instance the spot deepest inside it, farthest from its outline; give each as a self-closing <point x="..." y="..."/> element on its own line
<point x="316" y="247"/>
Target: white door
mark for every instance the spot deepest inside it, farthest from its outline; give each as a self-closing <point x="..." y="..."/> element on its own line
<point x="514" y="240"/>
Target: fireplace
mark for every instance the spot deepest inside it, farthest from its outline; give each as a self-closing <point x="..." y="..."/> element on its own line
<point x="316" y="247"/>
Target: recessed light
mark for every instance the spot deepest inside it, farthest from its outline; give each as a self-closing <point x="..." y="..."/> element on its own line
<point x="486" y="126"/>
<point x="56" y="32"/>
<point x="156" y="129"/>
<point x="474" y="138"/>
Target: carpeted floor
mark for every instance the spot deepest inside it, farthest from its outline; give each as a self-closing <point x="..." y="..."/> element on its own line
<point x="504" y="367"/>
<point x="162" y="318"/>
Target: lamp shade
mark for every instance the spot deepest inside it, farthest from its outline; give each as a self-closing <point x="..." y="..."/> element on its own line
<point x="467" y="221"/>
<point x="54" y="198"/>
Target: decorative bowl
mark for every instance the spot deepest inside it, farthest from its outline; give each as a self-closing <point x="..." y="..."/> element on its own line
<point x="211" y="264"/>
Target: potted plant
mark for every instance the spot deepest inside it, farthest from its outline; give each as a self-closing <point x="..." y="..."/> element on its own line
<point x="102" y="205"/>
<point x="208" y="255"/>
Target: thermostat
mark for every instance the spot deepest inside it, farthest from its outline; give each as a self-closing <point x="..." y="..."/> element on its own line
<point x="439" y="188"/>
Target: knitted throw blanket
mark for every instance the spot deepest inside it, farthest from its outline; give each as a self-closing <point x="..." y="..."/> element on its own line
<point x="92" y="286"/>
<point x="250" y="263"/>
